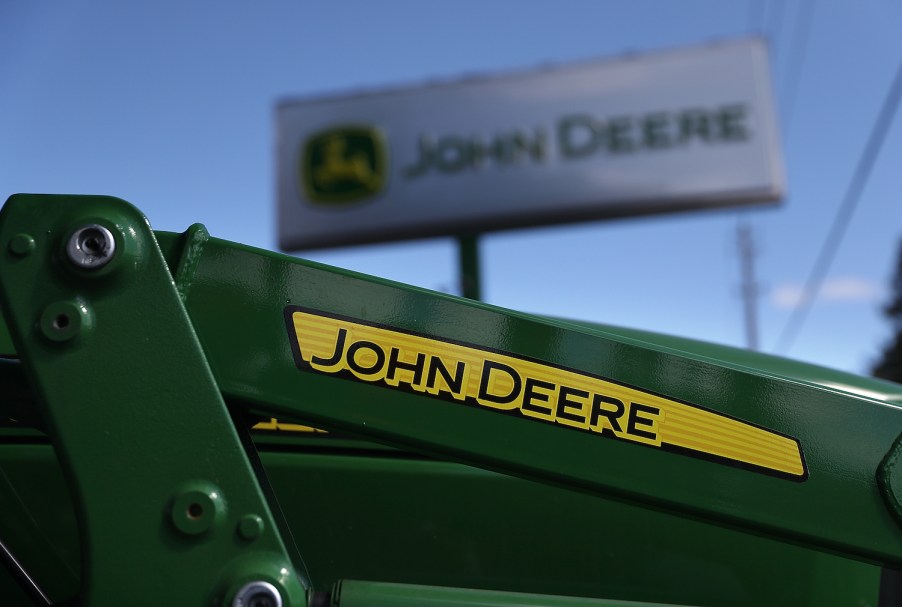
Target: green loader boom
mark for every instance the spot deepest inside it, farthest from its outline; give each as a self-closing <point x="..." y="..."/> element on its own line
<point x="189" y="421"/>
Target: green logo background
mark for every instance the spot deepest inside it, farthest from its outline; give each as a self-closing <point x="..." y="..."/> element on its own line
<point x="344" y="164"/>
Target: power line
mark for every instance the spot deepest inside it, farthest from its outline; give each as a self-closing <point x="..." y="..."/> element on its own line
<point x="843" y="214"/>
<point x="799" y="41"/>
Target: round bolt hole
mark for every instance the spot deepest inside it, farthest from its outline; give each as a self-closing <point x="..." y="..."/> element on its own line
<point x="197" y="508"/>
<point x="64" y="320"/>
<point x="195" y="511"/>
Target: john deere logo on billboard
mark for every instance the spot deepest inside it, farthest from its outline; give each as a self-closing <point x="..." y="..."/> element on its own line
<point x="344" y="164"/>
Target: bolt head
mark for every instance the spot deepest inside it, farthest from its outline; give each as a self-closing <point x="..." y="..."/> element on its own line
<point x="257" y="594"/>
<point x="91" y="247"/>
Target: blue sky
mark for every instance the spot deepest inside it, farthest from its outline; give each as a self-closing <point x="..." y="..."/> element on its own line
<point x="170" y="106"/>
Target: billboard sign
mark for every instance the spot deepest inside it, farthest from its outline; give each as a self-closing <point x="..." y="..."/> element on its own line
<point x="662" y="132"/>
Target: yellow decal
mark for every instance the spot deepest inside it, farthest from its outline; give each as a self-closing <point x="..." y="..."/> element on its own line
<point x="536" y="390"/>
<point x="274" y="424"/>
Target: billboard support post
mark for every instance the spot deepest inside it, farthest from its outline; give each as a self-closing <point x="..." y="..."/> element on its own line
<point x="468" y="249"/>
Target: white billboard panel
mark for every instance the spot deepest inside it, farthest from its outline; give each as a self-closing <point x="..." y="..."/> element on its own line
<point x="661" y="132"/>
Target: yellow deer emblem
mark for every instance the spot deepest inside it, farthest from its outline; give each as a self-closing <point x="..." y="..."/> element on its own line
<point x="338" y="166"/>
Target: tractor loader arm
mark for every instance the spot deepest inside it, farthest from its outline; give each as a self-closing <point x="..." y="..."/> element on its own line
<point x="147" y="352"/>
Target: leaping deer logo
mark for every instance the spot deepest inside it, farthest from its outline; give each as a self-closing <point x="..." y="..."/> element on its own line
<point x="345" y="164"/>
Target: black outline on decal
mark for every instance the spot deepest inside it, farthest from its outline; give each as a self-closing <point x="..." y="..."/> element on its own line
<point x="407" y="388"/>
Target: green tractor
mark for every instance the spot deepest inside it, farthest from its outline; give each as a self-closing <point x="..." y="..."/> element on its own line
<point x="189" y="421"/>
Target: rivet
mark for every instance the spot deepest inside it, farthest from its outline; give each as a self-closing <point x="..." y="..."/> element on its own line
<point x="21" y="244"/>
<point x="250" y="527"/>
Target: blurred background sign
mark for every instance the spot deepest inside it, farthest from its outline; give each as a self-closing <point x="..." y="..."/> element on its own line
<point x="656" y="133"/>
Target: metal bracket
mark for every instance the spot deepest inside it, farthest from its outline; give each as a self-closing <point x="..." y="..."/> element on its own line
<point x="167" y="500"/>
<point x="889" y="480"/>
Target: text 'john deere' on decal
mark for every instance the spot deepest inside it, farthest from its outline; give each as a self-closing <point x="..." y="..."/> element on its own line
<point x="532" y="389"/>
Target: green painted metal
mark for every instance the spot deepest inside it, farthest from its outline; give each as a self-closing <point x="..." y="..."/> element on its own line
<point x="353" y="593"/>
<point x="111" y="353"/>
<point x="38" y="522"/>
<point x="238" y="297"/>
<point x="776" y="366"/>
<point x="7" y="349"/>
<point x="378" y="514"/>
<point x="418" y="521"/>
<point x="889" y="477"/>
<point x="130" y="363"/>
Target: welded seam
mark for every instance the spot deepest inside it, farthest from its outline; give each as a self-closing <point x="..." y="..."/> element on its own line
<point x="194" y="238"/>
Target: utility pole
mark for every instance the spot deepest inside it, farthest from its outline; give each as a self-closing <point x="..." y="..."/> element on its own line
<point x="749" y="289"/>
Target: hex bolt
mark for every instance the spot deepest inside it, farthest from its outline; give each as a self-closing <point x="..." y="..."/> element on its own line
<point x="257" y="594"/>
<point x="21" y="245"/>
<point x="91" y="247"/>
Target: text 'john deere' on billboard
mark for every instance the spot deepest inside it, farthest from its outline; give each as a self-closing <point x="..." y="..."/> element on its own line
<point x="657" y="133"/>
